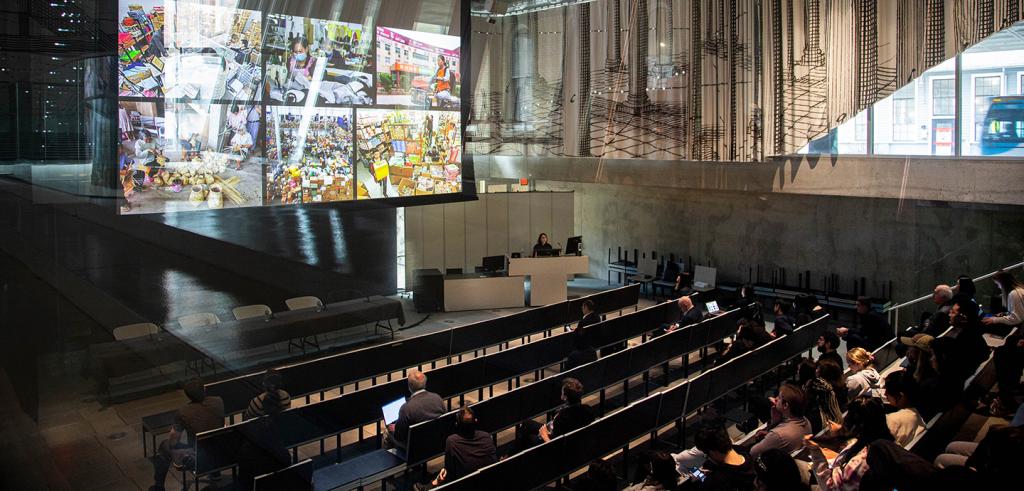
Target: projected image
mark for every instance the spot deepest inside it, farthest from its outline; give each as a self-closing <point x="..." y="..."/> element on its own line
<point x="408" y="153"/>
<point x="417" y="69"/>
<point x="330" y="59"/>
<point x="200" y="156"/>
<point x="141" y="49"/>
<point x="308" y="155"/>
<point x="183" y="50"/>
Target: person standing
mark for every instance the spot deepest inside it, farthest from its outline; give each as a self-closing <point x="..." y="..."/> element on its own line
<point x="541" y="245"/>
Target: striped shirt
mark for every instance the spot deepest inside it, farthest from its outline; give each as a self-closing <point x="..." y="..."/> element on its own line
<point x="267" y="403"/>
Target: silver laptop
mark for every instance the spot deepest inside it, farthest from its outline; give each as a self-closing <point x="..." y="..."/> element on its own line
<point x="712" y="307"/>
<point x="391" y="410"/>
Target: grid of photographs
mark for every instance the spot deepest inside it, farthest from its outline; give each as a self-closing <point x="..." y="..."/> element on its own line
<point x="223" y="107"/>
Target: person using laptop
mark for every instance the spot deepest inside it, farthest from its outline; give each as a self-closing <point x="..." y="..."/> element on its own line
<point x="689" y="314"/>
<point x="542" y="247"/>
<point x="421" y="406"/>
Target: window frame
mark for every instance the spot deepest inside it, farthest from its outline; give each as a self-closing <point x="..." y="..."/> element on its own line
<point x="972" y="114"/>
<point x="931" y="96"/>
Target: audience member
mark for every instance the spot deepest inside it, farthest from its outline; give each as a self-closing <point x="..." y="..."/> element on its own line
<point x="777" y="471"/>
<point x="871" y="330"/>
<point x="200" y="414"/>
<point x="997" y="456"/>
<point x="901" y="392"/>
<point x="864" y="378"/>
<point x="1012" y="292"/>
<point x="806" y="309"/>
<point x="958" y="452"/>
<point x="936" y="323"/>
<point x="826" y="396"/>
<point x="787" y="426"/>
<point x="944" y="387"/>
<point x="572" y="416"/>
<point x="725" y="468"/>
<point x="688" y="314"/>
<point x="919" y="356"/>
<point x="965" y="289"/>
<point x="892" y="467"/>
<point x="263" y="450"/>
<point x="746" y="300"/>
<point x="784" y="321"/>
<point x="467" y="450"/>
<point x="828" y="344"/>
<point x="590" y="315"/>
<point x="1008" y="358"/>
<point x="749" y="336"/>
<point x="864" y="424"/>
<point x="421" y="406"/>
<point x="967" y="331"/>
<point x="272" y="400"/>
<point x="600" y="476"/>
<point x="659" y="473"/>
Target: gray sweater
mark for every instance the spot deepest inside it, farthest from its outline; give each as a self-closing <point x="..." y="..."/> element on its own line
<point x="787" y="436"/>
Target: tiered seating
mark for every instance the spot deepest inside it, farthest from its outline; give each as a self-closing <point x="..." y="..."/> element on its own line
<point x="328" y="373"/>
<point x="614" y="432"/>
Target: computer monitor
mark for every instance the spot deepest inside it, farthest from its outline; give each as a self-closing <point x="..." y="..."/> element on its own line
<point x="548" y="252"/>
<point x="493" y="264"/>
<point x="572" y="246"/>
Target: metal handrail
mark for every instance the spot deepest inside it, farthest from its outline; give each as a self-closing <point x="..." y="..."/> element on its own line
<point x="893" y="308"/>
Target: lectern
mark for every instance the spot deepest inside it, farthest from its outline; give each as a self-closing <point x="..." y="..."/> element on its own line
<point x="547" y="275"/>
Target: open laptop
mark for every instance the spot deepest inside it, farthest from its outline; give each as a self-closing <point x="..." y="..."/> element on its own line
<point x="391" y="410"/>
<point x="712" y="307"/>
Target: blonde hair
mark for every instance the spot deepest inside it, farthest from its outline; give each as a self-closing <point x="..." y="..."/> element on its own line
<point x="860" y="356"/>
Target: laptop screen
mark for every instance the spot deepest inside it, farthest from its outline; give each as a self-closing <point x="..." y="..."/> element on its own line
<point x="391" y="410"/>
<point x="712" y="307"/>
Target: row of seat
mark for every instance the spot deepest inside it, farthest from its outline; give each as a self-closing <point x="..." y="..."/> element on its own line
<point x="646" y="417"/>
<point x="330" y="418"/>
<point x="331" y="372"/>
<point x="208" y="319"/>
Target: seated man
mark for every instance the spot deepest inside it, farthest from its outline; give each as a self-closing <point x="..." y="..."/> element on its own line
<point x="872" y="329"/>
<point x="200" y="414"/>
<point x="828" y="344"/>
<point x="573" y="416"/>
<point x="688" y="314"/>
<point x="273" y="399"/>
<point x="725" y="468"/>
<point x="241" y="142"/>
<point x="467" y="450"/>
<point x="421" y="406"/>
<point x="787" y="426"/>
<point x="784" y="322"/>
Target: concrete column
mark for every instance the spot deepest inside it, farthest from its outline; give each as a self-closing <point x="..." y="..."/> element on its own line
<point x="638" y="99"/>
<point x="614" y="35"/>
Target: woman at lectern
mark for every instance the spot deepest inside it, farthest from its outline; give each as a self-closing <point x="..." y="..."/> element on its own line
<point x="541" y="245"/>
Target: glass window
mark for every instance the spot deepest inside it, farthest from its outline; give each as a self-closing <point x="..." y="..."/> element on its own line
<point x="985" y="88"/>
<point x="943" y="97"/>
<point x="903" y="114"/>
<point x="992" y="106"/>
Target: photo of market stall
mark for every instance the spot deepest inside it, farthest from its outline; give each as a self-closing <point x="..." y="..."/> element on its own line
<point x="408" y="153"/>
<point x="329" y="57"/>
<point x="141" y="52"/>
<point x="418" y="69"/>
<point x="201" y="156"/>
<point x="308" y="155"/>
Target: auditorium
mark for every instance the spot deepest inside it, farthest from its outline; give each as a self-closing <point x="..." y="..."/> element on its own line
<point x="511" y="245"/>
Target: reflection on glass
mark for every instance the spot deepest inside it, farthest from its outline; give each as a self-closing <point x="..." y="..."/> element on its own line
<point x="991" y="86"/>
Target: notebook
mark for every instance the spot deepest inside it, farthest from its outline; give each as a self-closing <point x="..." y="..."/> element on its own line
<point x="391" y="410"/>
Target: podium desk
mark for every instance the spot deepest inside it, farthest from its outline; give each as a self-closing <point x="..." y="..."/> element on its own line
<point x="482" y="292"/>
<point x="548" y="275"/>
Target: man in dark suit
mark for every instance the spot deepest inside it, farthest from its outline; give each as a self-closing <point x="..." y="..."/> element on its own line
<point x="688" y="314"/>
<point x="421" y="406"/>
<point x="590" y="315"/>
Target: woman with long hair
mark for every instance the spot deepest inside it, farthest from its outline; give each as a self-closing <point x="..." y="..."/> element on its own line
<point x="542" y="244"/>
<point x="826" y="395"/>
<point x="864" y="424"/>
<point x="1012" y="291"/>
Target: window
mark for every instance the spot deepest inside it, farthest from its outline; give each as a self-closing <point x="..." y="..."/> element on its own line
<point x="943" y="97"/>
<point x="985" y="88"/>
<point x="903" y="114"/>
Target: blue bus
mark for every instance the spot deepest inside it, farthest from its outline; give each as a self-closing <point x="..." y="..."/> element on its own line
<point x="1003" y="130"/>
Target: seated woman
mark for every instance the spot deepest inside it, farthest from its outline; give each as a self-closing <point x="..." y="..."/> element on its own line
<point x="864" y="424"/>
<point x="826" y="395"/>
<point x="863" y="379"/>
<point x="541" y="245"/>
<point x="660" y="472"/>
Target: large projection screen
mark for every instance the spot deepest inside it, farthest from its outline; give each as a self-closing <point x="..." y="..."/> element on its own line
<point x="224" y="104"/>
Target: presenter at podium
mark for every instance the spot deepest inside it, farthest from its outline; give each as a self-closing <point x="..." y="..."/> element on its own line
<point x="542" y="247"/>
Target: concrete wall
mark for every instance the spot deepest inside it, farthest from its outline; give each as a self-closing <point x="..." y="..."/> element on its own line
<point x="914" y="244"/>
<point x="459" y="235"/>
